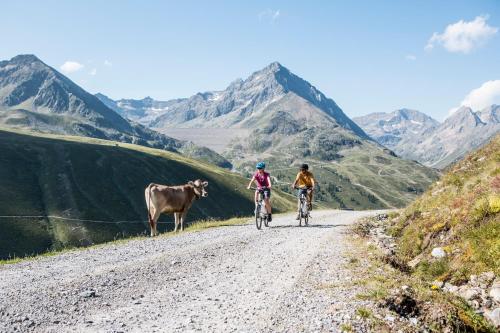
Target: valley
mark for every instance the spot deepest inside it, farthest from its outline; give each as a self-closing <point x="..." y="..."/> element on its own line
<point x="218" y="139"/>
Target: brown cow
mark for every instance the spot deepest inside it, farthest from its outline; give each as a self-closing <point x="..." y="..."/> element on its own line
<point x="172" y="199"/>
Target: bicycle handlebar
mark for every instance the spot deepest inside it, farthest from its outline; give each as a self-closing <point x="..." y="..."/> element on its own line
<point x="255" y="188"/>
<point x="307" y="187"/>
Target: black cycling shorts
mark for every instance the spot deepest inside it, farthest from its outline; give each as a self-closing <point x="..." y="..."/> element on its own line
<point x="303" y="190"/>
<point x="266" y="192"/>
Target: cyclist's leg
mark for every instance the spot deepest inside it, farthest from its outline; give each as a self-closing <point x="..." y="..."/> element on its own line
<point x="310" y="199"/>
<point x="267" y="197"/>
<point x="256" y="199"/>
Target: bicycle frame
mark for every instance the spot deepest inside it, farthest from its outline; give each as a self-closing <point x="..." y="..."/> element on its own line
<point x="303" y="206"/>
<point x="260" y="210"/>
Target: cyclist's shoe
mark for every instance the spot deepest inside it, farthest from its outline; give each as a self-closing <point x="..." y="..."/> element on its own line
<point x="269" y="218"/>
<point x="298" y="217"/>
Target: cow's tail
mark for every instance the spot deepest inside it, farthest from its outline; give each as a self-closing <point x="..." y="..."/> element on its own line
<point x="150" y="218"/>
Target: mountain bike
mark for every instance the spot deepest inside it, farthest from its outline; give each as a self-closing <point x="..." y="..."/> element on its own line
<point x="260" y="210"/>
<point x="304" y="206"/>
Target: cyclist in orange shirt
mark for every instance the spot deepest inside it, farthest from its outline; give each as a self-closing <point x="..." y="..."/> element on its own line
<point x="305" y="183"/>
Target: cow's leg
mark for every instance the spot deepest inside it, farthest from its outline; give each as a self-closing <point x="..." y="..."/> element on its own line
<point x="176" y="218"/>
<point x="151" y="213"/>
<point x="156" y="216"/>
<point x="183" y="217"/>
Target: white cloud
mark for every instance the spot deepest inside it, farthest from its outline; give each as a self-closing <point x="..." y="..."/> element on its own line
<point x="93" y="72"/>
<point x="71" y="66"/>
<point x="484" y="96"/>
<point x="270" y="15"/>
<point x="463" y="36"/>
<point x="411" y="57"/>
<point x="108" y="63"/>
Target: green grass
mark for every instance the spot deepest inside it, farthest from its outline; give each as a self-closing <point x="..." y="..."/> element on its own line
<point x="366" y="177"/>
<point x="364" y="312"/>
<point x="196" y="226"/>
<point x="346" y="328"/>
<point x="85" y="178"/>
<point x="465" y="204"/>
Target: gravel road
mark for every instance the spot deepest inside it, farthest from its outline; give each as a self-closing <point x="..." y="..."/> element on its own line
<point x="226" y="279"/>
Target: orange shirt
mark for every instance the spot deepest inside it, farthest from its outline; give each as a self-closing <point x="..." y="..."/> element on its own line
<point x="304" y="179"/>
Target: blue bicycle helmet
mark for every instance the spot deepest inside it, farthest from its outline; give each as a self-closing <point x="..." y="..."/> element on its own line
<point x="261" y="165"/>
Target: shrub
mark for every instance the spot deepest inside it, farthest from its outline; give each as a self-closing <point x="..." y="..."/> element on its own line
<point x="480" y="210"/>
<point x="430" y="270"/>
<point x="364" y="312"/>
<point x="494" y="204"/>
<point x="454" y="179"/>
<point x="484" y="243"/>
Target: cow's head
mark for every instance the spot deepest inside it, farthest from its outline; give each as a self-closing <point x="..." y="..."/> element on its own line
<point x="199" y="187"/>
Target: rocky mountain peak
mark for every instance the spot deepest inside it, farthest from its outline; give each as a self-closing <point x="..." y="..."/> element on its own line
<point x="272" y="69"/>
<point x="490" y="114"/>
<point x="275" y="66"/>
<point x="407" y="114"/>
<point x="464" y="116"/>
<point x="24" y="59"/>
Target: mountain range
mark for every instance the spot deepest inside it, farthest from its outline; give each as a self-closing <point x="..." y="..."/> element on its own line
<point x="276" y="116"/>
<point x="389" y="129"/>
<point x="414" y="135"/>
<point x="35" y="96"/>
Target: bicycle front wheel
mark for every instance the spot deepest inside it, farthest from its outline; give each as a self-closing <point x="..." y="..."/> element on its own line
<point x="258" y="219"/>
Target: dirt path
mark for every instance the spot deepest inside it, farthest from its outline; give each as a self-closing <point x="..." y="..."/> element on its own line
<point x="223" y="279"/>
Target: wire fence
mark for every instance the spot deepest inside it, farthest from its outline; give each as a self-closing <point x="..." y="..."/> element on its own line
<point x="55" y="217"/>
<point x="77" y="220"/>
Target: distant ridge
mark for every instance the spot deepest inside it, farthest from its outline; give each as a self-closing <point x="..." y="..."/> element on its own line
<point x="414" y="135"/>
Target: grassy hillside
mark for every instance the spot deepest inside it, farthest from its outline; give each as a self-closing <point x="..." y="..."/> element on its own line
<point x="95" y="179"/>
<point x="364" y="176"/>
<point x="459" y="213"/>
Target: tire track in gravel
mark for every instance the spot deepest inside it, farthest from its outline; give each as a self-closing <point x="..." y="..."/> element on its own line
<point x="233" y="278"/>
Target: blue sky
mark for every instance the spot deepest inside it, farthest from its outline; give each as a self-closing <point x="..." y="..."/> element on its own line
<point x="366" y="55"/>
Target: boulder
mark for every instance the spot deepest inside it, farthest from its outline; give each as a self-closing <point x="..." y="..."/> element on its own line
<point x="450" y="288"/>
<point x="486" y="278"/>
<point x="438" y="284"/>
<point x="470" y="293"/>
<point x="495" y="291"/>
<point x="493" y="316"/>
<point x="438" y="252"/>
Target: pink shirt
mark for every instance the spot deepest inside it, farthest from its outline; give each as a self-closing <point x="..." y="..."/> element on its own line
<point x="262" y="179"/>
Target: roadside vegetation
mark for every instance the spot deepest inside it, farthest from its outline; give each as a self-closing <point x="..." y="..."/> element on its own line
<point x="439" y="256"/>
<point x="193" y="227"/>
<point x="459" y="214"/>
<point x="402" y="302"/>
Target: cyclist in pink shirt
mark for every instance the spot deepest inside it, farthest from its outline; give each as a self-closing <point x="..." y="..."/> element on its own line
<point x="263" y="182"/>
